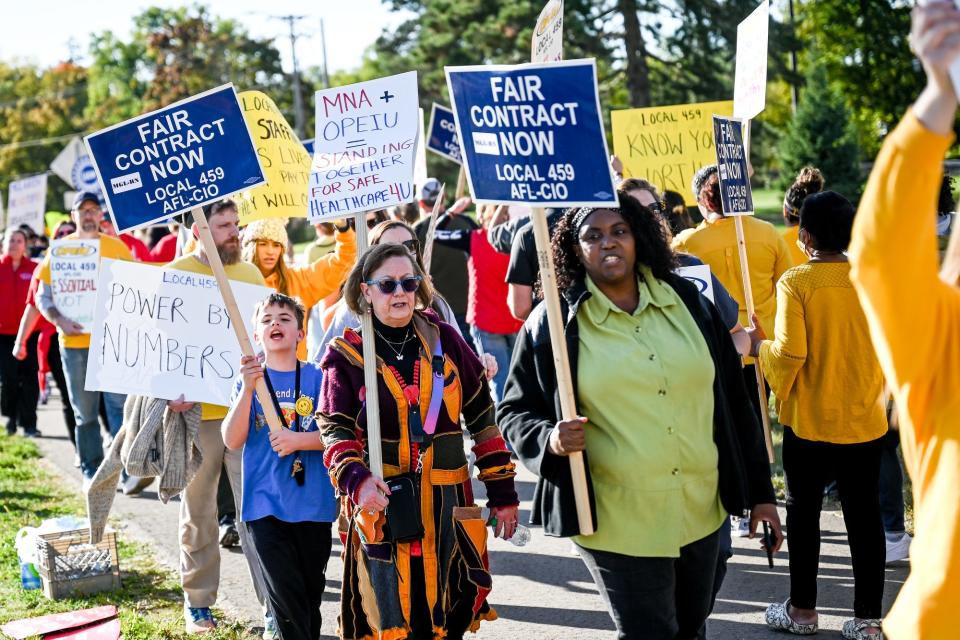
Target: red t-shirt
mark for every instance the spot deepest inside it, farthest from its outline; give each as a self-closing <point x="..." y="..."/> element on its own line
<point x="14" y="285"/>
<point x="165" y="250"/>
<point x="42" y="324"/>
<point x="487" y="306"/>
<point x="139" y="250"/>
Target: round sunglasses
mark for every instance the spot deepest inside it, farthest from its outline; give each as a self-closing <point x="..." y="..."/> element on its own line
<point x="389" y="285"/>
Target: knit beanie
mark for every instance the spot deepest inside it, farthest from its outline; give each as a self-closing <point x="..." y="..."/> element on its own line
<point x="273" y="229"/>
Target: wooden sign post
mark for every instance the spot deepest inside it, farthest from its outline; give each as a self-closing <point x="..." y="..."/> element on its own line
<point x="461" y="184"/>
<point x="233" y="311"/>
<point x="432" y="230"/>
<point x="371" y="396"/>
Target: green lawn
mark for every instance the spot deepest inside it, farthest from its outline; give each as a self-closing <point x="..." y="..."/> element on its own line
<point x="150" y="601"/>
<point x="768" y="204"/>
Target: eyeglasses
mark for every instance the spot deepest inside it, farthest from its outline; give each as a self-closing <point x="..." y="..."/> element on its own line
<point x="657" y="207"/>
<point x="412" y="245"/>
<point x="389" y="285"/>
<point x="371" y="223"/>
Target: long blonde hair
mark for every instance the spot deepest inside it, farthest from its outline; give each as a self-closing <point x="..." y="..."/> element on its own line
<point x="283" y="275"/>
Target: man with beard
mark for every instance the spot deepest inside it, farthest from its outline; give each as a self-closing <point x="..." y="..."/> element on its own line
<point x="75" y="343"/>
<point x="199" y="549"/>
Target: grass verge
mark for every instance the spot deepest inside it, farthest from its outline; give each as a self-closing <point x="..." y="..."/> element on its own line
<point x="150" y="600"/>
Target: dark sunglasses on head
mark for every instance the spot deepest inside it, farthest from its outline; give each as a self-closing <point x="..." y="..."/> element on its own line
<point x="389" y="285"/>
<point x="657" y="207"/>
<point x="372" y="223"/>
<point x="412" y="245"/>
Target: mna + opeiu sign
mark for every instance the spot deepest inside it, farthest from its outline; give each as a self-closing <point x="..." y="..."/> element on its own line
<point x="532" y="134"/>
<point x="183" y="156"/>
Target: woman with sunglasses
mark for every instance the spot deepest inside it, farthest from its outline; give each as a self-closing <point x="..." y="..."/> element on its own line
<point x="419" y="570"/>
<point x="672" y="441"/>
<point x="387" y="232"/>
<point x="264" y="244"/>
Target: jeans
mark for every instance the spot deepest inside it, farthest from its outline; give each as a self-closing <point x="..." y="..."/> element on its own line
<point x="464" y="328"/>
<point x="56" y="370"/>
<point x="85" y="408"/>
<point x="657" y="598"/>
<point x="500" y="346"/>
<point x="807" y="466"/>
<point x="891" y="485"/>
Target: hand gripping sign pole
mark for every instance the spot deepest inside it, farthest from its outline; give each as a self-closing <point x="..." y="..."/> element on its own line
<point x="233" y="311"/>
<point x="551" y="298"/>
<point x="371" y="397"/>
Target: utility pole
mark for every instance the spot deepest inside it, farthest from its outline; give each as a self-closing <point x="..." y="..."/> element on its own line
<point x="298" y="116"/>
<point x="323" y="48"/>
<point x="794" y="92"/>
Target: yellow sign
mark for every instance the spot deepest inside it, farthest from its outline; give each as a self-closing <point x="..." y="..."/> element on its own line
<point x="667" y="145"/>
<point x="286" y="164"/>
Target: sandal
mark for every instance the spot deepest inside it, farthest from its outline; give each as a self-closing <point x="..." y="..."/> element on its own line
<point x="853" y="630"/>
<point x="778" y="619"/>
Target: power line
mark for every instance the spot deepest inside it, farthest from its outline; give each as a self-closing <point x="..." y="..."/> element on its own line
<point x="299" y="121"/>
<point x="39" y="142"/>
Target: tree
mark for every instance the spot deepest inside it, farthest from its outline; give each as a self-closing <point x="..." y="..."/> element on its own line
<point x="863" y="46"/>
<point x="822" y="134"/>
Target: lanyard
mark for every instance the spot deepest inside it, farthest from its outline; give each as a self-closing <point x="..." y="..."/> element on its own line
<point x="297" y="470"/>
<point x="276" y="403"/>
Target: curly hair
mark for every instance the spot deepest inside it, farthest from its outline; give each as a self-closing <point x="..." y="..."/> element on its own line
<point x="650" y="241"/>
<point x="808" y="182"/>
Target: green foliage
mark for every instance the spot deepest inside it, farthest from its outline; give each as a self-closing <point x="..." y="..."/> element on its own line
<point x="863" y="46"/>
<point x="822" y="134"/>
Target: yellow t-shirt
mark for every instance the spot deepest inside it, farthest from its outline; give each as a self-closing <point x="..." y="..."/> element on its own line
<point x="821" y="366"/>
<point x="240" y="271"/>
<point x="914" y="320"/>
<point x="791" y="236"/>
<point x="716" y="244"/>
<point x="110" y="247"/>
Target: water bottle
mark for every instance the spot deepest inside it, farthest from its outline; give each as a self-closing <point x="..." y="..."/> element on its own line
<point x="520" y="537"/>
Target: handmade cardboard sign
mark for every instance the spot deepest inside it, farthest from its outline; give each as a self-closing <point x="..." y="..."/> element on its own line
<point x="162" y="332"/>
<point x="667" y="145"/>
<point x="74" y="268"/>
<point x="183" y="156"/>
<point x="27" y="202"/>
<point x="750" y="79"/>
<point x="365" y="147"/>
<point x="547" y="43"/>
<point x="532" y="134"/>
<point x="735" y="191"/>
<point x="285" y="162"/>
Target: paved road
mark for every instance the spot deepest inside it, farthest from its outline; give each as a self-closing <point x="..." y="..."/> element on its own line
<point x="542" y="591"/>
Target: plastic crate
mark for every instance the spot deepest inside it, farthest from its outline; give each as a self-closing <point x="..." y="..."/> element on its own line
<point x="69" y="565"/>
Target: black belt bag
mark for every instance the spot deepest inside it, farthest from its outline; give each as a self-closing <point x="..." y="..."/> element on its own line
<point x="404" y="523"/>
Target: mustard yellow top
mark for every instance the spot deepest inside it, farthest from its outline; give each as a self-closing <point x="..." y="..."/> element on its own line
<point x="110" y="247"/>
<point x="716" y="244"/>
<point x="653" y="461"/>
<point x="821" y="366"/>
<point x="914" y="321"/>
<point x="240" y="271"/>
<point x="792" y="236"/>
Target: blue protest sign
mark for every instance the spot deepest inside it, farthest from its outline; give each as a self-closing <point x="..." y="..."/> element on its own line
<point x="532" y="134"/>
<point x="443" y="139"/>
<point x="185" y="155"/>
<point x="735" y="192"/>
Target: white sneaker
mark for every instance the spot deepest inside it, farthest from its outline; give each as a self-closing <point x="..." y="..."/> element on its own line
<point x="742" y="528"/>
<point x="133" y="485"/>
<point x="900" y="549"/>
<point x="86" y="484"/>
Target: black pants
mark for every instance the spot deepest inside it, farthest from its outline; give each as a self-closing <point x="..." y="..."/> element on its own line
<point x="226" y="506"/>
<point x="21" y="388"/>
<point x="56" y="369"/>
<point x="293" y="557"/>
<point x="657" y="598"/>
<point x="807" y="466"/>
<point x="750" y="380"/>
<point x="891" y="485"/>
<point x="421" y="623"/>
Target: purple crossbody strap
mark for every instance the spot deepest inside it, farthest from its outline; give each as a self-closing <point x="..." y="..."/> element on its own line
<point x="436" y="394"/>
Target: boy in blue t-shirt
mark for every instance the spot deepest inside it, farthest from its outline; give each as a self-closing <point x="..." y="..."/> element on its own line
<point x="288" y="500"/>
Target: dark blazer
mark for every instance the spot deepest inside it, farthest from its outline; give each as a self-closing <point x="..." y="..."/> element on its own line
<point x="531" y="407"/>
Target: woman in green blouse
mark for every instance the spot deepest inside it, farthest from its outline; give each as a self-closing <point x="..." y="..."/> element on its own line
<point x="672" y="442"/>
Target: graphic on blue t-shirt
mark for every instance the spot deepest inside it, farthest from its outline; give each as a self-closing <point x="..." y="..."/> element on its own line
<point x="269" y="488"/>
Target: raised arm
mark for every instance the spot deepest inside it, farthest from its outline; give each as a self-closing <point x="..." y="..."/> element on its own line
<point x="318" y="280"/>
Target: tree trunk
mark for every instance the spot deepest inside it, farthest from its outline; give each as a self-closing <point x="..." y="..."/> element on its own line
<point x="638" y="74"/>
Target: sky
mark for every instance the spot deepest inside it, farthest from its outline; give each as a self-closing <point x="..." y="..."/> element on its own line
<point x="39" y="31"/>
